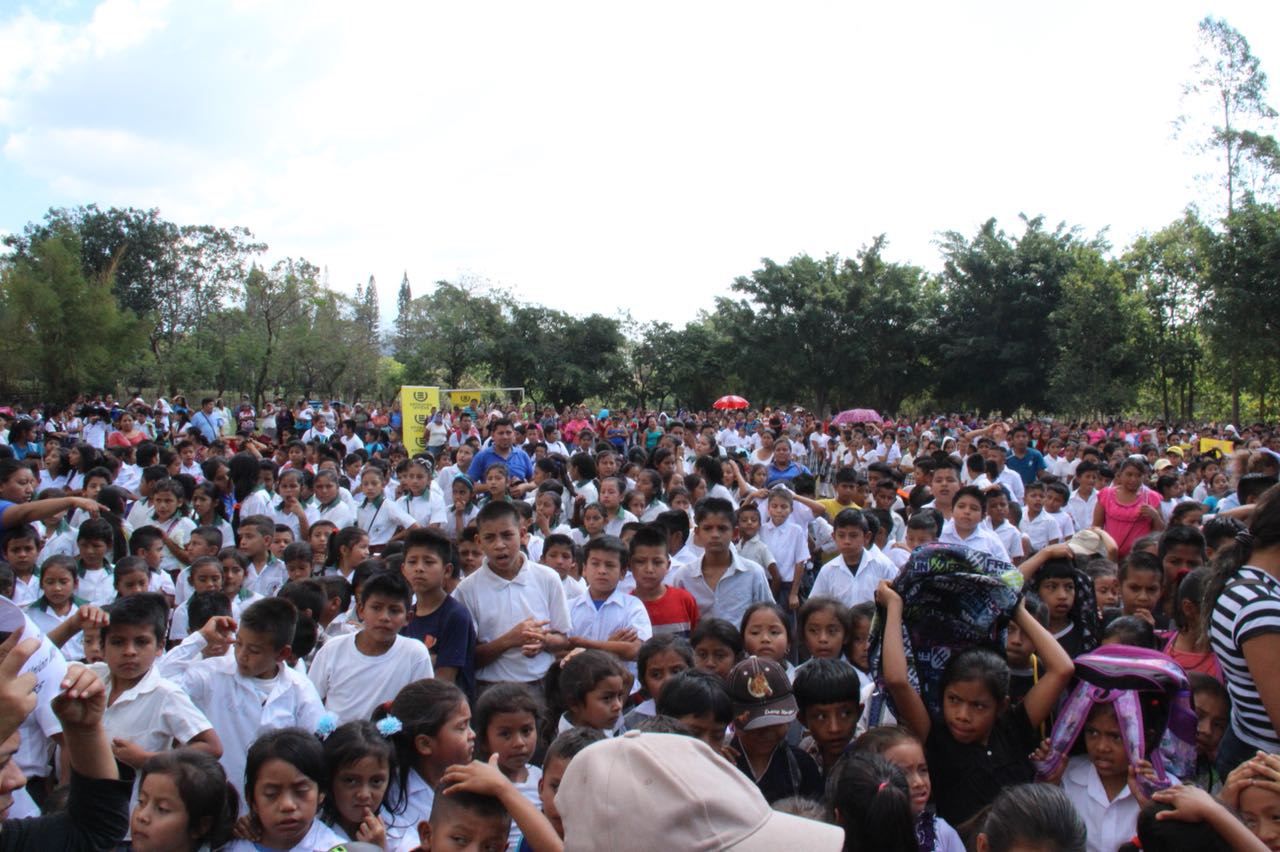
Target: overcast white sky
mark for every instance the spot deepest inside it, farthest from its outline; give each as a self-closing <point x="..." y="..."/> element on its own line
<point x="599" y="156"/>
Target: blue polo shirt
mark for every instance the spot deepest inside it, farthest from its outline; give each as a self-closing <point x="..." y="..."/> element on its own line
<point x="518" y="464"/>
<point x="786" y="475"/>
<point x="1028" y="466"/>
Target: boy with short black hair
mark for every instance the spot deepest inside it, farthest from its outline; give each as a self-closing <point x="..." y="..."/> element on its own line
<point x="1056" y="495"/>
<point x="965" y="526"/>
<point x="1037" y="525"/>
<point x="205" y="575"/>
<point x="94" y="543"/>
<point x="997" y="520"/>
<point x="204" y="541"/>
<point x="252" y="691"/>
<point x="20" y="550"/>
<point x="297" y="561"/>
<point x="557" y="552"/>
<point x="670" y="610"/>
<point x="607" y="618"/>
<point x="751" y="545"/>
<point x="438" y="621"/>
<point x="147" y="543"/>
<point x="852" y="576"/>
<point x="1084" y="499"/>
<point x="827" y="692"/>
<point x="266" y="573"/>
<point x="518" y="624"/>
<point x="723" y="583"/>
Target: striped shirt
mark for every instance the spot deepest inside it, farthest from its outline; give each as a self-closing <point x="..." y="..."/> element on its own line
<point x="1246" y="610"/>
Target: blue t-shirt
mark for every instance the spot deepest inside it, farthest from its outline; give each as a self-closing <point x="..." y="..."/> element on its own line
<point x="1028" y="466"/>
<point x="517" y="463"/>
<point x="450" y="635"/>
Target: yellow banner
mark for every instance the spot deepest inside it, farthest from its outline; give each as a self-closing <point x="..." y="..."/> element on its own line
<point x="1208" y="445"/>
<point x="465" y="399"/>
<point x="417" y="404"/>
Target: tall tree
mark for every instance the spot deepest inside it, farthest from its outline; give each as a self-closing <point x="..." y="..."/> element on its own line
<point x="403" y="299"/>
<point x="273" y="299"/>
<point x="370" y="311"/>
<point x="452" y="330"/>
<point x="1231" y="78"/>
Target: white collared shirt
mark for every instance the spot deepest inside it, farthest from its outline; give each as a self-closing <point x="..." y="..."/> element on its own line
<point x="619" y="610"/>
<point x="852" y="586"/>
<point x="1109" y="822"/>
<point x="339" y="513"/>
<point x="427" y="510"/>
<point x="788" y="543"/>
<point x="496" y="605"/>
<point x="153" y="713"/>
<point x="617" y="522"/>
<point x="743" y="584"/>
<point x="980" y="539"/>
<point x="381" y="518"/>
<point x="352" y="683"/>
<point x="1010" y="536"/>
<point x="1081" y="510"/>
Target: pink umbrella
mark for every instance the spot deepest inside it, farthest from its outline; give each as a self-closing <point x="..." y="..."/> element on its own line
<point x="856" y="415"/>
<point x="730" y="401"/>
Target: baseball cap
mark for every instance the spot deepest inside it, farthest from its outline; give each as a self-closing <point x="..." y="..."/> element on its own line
<point x="761" y="694"/>
<point x="1161" y="464"/>
<point x="1087" y="543"/>
<point x="641" y="791"/>
<point x="1177" y="451"/>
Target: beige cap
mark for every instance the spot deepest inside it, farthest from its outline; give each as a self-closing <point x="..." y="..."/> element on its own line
<point x="665" y="791"/>
<point x="1087" y="543"/>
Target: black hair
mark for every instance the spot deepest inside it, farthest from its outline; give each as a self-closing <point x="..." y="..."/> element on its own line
<point x="559" y="540"/>
<point x="1055" y="568"/>
<point x="265" y="526"/>
<point x="694" y="692"/>
<point x="719" y="630"/>
<point x="1201" y="682"/>
<point x="202" y="606"/>
<point x="129" y="565"/>
<point x="497" y="511"/>
<point x="1180" y="534"/>
<point x="390" y="584"/>
<point x="868" y="796"/>
<point x="297" y="551"/>
<point x="982" y="665"/>
<point x="1252" y="485"/>
<point x="1191" y="588"/>
<point x="814" y="605"/>
<point x="709" y="506"/>
<point x="881" y="738"/>
<point x="503" y="698"/>
<point x="348" y="744"/>
<point x="782" y="615"/>
<point x="307" y="595"/>
<point x="1140" y="560"/>
<point x="926" y="519"/>
<point x="851" y="518"/>
<point x="143" y="538"/>
<point x="424" y="537"/>
<point x="210" y="800"/>
<point x="336" y="586"/>
<point x="296" y="747"/>
<point x="649" y="535"/>
<point x="1038" y="815"/>
<point x="567" y="745"/>
<point x="608" y="544"/>
<point x="422" y="707"/>
<point x="864" y="611"/>
<point x="656" y="645"/>
<point x="146" y="609"/>
<point x="569" y="683"/>
<point x="276" y="617"/>
<point x="345" y="537"/>
<point x="1169" y="835"/>
<point x="821" y="681"/>
<point x="22" y="532"/>
<point x="674" y="521"/>
<point x="96" y="529"/>
<point x="1130" y="630"/>
<point x="971" y="491"/>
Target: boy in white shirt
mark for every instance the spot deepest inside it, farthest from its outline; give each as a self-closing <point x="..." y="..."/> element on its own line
<point x="20" y="550"/>
<point x="1085" y="498"/>
<point x="97" y="583"/>
<point x="788" y="543"/>
<point x="1056" y="495"/>
<point x="1037" y="525"/>
<point x="252" y="691"/>
<point x="607" y="618"/>
<point x="356" y="672"/>
<point x="852" y="576"/>
<point x="965" y="526"/>
<point x="266" y="574"/>
<point x="997" y="521"/>
<point x="518" y="606"/>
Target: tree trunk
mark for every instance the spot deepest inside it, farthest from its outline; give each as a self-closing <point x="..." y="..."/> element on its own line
<point x="1235" y="393"/>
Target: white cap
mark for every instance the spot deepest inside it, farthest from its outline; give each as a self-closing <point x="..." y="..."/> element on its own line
<point x="666" y="791"/>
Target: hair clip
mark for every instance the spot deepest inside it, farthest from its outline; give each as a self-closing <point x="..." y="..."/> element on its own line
<point x="326" y="725"/>
<point x="389" y="726"/>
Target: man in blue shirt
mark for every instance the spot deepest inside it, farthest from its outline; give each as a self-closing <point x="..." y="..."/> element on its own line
<point x="1028" y="463"/>
<point x="504" y="451"/>
<point x="206" y="421"/>
<point x="783" y="469"/>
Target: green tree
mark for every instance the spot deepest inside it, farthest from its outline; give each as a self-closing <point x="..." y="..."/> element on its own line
<point x="273" y="300"/>
<point x="452" y="329"/>
<point x="63" y="328"/>
<point x="403" y="300"/>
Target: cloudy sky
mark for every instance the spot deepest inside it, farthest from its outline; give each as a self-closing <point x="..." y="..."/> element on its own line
<point x="601" y="156"/>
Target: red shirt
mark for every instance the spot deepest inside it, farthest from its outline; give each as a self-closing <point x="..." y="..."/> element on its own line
<point x="675" y="612"/>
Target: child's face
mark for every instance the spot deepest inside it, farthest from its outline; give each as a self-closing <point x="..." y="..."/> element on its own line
<point x="1059" y="594"/>
<point x="779" y="510"/>
<point x="636" y="504"/>
<point x="298" y="569"/>
<point x="318" y="538"/>
<point x="513" y="737"/>
<point x="232" y="577"/>
<point x="593" y="522"/>
<point x="252" y="544"/>
<point x="500" y="541"/>
<point x="824" y="635"/>
<point x="383" y="617"/>
<point x="1140" y="590"/>
<point x="1192" y="518"/>
<point x="601" y="707"/>
<point x="423" y="570"/>
<point x="548" y="786"/>
<point x="997" y="509"/>
<point x="268" y="480"/>
<point x="1212" y="716"/>
<point x="944" y="483"/>
<point x="359" y="788"/>
<point x="164" y="504"/>
<point x="748" y="525"/>
<point x="884" y="498"/>
<point x="497" y="482"/>
<point x="860" y="493"/>
<point x="454" y="742"/>
<point x="714" y="533"/>
<point x="1053" y="502"/>
<point x="92" y="552"/>
<point x="909" y="757"/>
<point x="649" y="565"/>
<point x="153" y="553"/>
<point x="766" y="636"/>
<point x="355" y="553"/>
<point x="371" y="486"/>
<point x="1088" y="481"/>
<point x="967" y="513"/>
<point x="130" y="650"/>
<point x="470" y="555"/>
<point x="712" y="655"/>
<point x="845" y="492"/>
<point x="1107" y="591"/>
<point x="850" y="541"/>
<point x="326" y="490"/>
<point x="1181" y="559"/>
<point x="21" y="554"/>
<point x="660" y="668"/>
<point x="602" y="572"/>
<point x="93" y="645"/>
<point x="831" y="725"/>
<point x="256" y="656"/>
<point x="969" y="710"/>
<point x="1017" y="650"/>
<point x="860" y="643"/>
<point x="1035" y="500"/>
<point x="207" y="578"/>
<point x="1104" y="745"/>
<point x="415" y="479"/>
<point x="160" y="820"/>
<point x="561" y="559"/>
<point x="706" y="727"/>
<point x="610" y="497"/>
<point x="133" y="583"/>
<point x="297" y="456"/>
<point x="290" y="487"/>
<point x="1260" y="811"/>
<point x="279" y="542"/>
<point x="285" y="802"/>
<point x="763" y="740"/>
<point x="918" y="538"/>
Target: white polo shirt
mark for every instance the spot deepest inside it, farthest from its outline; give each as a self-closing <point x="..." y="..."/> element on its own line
<point x="381" y="518"/>
<point x="619" y="610"/>
<point x="496" y="605"/>
<point x="1109" y="822"/>
<point x="980" y="539"/>
<point x="789" y="545"/>
<point x="852" y="586"/>
<point x="427" y="510"/>
<point x="339" y="513"/>
<point x="153" y="713"/>
<point x="351" y="683"/>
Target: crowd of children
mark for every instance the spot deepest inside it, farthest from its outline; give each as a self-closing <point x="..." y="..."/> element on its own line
<point x="606" y="632"/>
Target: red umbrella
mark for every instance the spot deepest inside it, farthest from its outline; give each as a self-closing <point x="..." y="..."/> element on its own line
<point x="731" y="401"/>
